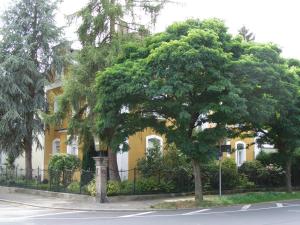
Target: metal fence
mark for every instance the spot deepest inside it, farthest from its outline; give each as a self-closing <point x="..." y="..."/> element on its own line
<point x="59" y="181"/>
<point x="154" y="182"/>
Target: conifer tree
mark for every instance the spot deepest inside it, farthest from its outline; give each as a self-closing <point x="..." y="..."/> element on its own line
<point x="28" y="38"/>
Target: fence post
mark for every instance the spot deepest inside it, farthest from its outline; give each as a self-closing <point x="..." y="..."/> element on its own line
<point x="38" y="177"/>
<point x="16" y="172"/>
<point x="159" y="177"/>
<point x="134" y="180"/>
<point x="101" y="178"/>
<point x="80" y="182"/>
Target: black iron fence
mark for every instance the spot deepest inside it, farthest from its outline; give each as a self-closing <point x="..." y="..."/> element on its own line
<point x="69" y="181"/>
<point x="136" y="181"/>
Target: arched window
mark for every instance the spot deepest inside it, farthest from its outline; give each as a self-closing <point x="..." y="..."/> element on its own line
<point x="153" y="140"/>
<point x="72" y="147"/>
<point x="240" y="155"/>
<point x="55" y="146"/>
<point x="55" y="104"/>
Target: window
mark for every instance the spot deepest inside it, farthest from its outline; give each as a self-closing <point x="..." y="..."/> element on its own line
<point x="153" y="140"/>
<point x="55" y="104"/>
<point x="55" y="146"/>
<point x="72" y="147"/>
<point x="59" y="73"/>
<point x="240" y="153"/>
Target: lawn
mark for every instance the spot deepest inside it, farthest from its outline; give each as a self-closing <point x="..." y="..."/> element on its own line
<point x="226" y="200"/>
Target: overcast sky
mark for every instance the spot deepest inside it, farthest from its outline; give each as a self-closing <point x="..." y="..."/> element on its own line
<point x="274" y="21"/>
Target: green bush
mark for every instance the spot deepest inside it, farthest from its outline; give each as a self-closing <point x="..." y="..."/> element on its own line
<point x="172" y="167"/>
<point x="61" y="168"/>
<point x="91" y="188"/>
<point x="230" y="176"/>
<point x="270" y="158"/>
<point x="269" y="175"/>
<point x="252" y="169"/>
<point x="113" y="187"/>
<point x="74" y="187"/>
<point x="244" y="183"/>
<point x="272" y="176"/>
<point x="152" y="185"/>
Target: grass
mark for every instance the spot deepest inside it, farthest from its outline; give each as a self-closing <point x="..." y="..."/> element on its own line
<point x="227" y="200"/>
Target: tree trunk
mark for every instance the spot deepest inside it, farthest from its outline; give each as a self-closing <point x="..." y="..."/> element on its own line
<point x="113" y="166"/>
<point x="288" y="174"/>
<point x="28" y="157"/>
<point x="198" y="181"/>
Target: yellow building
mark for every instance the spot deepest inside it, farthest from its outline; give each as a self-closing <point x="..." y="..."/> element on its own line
<point x="56" y="140"/>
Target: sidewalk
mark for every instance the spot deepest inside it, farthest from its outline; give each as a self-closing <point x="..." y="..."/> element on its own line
<point x="69" y="204"/>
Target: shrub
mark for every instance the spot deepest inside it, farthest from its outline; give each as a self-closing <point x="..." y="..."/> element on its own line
<point x="244" y="183"/>
<point x="271" y="176"/>
<point x="152" y="163"/>
<point x="270" y="158"/>
<point x="172" y="167"/>
<point x="74" y="187"/>
<point x="152" y="185"/>
<point x="230" y="176"/>
<point x="91" y="188"/>
<point x="113" y="187"/>
<point x="62" y="167"/>
<point x="251" y="169"/>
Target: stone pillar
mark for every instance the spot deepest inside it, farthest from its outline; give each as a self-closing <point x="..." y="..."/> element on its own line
<point x="101" y="178"/>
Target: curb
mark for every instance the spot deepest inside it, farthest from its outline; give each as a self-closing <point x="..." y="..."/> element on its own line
<point x="78" y="209"/>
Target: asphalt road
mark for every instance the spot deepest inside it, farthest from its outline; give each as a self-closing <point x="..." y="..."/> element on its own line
<point x="287" y="213"/>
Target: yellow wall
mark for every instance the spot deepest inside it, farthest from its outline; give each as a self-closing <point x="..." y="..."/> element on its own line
<point x="137" y="148"/>
<point x="56" y="132"/>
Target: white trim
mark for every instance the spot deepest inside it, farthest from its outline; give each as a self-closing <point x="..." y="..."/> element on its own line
<point x="56" y="84"/>
<point x="73" y="144"/>
<point x="243" y="153"/>
<point x="154" y="137"/>
<point x="54" y="149"/>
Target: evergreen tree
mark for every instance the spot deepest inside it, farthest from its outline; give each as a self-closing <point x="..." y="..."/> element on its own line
<point x="27" y="52"/>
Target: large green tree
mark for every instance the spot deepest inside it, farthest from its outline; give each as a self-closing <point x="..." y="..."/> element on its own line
<point x="270" y="84"/>
<point x="177" y="82"/>
<point x="27" y="52"/>
<point x="105" y="26"/>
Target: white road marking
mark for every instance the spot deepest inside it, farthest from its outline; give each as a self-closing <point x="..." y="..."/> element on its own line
<point x="279" y="205"/>
<point x="137" y="214"/>
<point x="245" y="207"/>
<point x="195" y="212"/>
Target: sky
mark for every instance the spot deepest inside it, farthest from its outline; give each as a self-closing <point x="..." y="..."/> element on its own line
<point x="275" y="21"/>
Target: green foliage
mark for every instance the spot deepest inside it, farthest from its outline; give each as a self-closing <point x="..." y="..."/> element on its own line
<point x="91" y="188"/>
<point x="27" y="54"/>
<point x="263" y="175"/>
<point x="61" y="168"/>
<point x="230" y="176"/>
<point x="152" y="185"/>
<point x="74" y="187"/>
<point x="251" y="169"/>
<point x="152" y="164"/>
<point x="170" y="166"/>
<point x="272" y="175"/>
<point x="270" y="158"/>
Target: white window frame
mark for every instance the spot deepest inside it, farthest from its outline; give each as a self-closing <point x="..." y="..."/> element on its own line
<point x="55" y="104"/>
<point x="243" y="152"/>
<point x="70" y="145"/>
<point x="154" y="137"/>
<point x="54" y="146"/>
